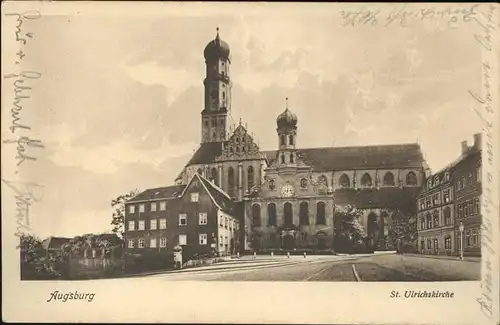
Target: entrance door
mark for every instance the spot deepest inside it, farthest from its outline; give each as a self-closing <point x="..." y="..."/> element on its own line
<point x="288" y="242"/>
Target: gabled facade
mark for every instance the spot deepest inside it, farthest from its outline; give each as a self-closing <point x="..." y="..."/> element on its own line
<point x="199" y="216"/>
<point x="436" y="214"/>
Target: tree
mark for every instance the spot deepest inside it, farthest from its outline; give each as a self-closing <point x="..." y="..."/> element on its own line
<point x="118" y="205"/>
<point x="35" y="264"/>
<point x="350" y="222"/>
<point x="403" y="230"/>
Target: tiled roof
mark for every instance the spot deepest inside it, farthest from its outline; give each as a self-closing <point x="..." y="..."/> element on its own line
<point x="389" y="197"/>
<point x="206" y="153"/>
<point x="221" y="198"/>
<point x="54" y="242"/>
<point x="159" y="193"/>
<point x="362" y="157"/>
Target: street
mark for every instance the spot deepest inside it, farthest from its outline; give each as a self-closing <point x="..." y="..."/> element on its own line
<point x="378" y="267"/>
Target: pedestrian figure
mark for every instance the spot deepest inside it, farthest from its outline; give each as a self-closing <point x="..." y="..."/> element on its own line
<point x="272" y="254"/>
<point x="238" y="254"/>
<point x="304" y="254"/>
<point x="288" y="254"/>
<point x="254" y="254"/>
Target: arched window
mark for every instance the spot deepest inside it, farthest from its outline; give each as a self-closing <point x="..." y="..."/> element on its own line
<point x="283" y="140"/>
<point x="288" y="214"/>
<point x="256" y="215"/>
<point x="389" y="179"/>
<point x="291" y="158"/>
<point x="411" y="179"/>
<point x="447" y="216"/>
<point x="436" y="218"/>
<point x="304" y="214"/>
<point x="213" y="176"/>
<point x="282" y="158"/>
<point x="230" y="181"/>
<point x="271" y="214"/>
<point x="199" y="171"/>
<point x="366" y="180"/>
<point x="290" y="139"/>
<point x="320" y="213"/>
<point x="344" y="181"/>
<point x="250" y="177"/>
<point x="303" y="183"/>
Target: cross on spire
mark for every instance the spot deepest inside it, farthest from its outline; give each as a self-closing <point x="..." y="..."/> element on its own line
<point x="217" y="30"/>
<point x="286" y="102"/>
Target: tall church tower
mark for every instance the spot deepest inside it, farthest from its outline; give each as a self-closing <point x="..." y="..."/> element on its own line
<point x="287" y="136"/>
<point x="214" y="117"/>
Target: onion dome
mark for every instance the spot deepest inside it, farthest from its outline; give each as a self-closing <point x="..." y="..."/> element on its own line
<point x="217" y="49"/>
<point x="287" y="119"/>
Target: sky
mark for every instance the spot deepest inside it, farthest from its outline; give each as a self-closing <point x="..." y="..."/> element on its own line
<point x="118" y="106"/>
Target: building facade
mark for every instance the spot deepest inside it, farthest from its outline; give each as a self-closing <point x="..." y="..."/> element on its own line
<point x="468" y="190"/>
<point x="436" y="214"/>
<point x="199" y="216"/>
<point x="288" y="195"/>
<point x="449" y="198"/>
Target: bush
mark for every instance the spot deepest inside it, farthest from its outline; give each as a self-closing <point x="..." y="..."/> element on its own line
<point x="408" y="248"/>
<point x="148" y="261"/>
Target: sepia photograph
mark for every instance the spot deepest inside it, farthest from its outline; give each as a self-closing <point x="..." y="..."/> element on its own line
<point x="261" y="143"/>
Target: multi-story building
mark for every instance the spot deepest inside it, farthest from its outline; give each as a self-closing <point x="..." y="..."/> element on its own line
<point x="467" y="180"/>
<point x="199" y="216"/>
<point x="436" y="214"/>
<point x="449" y="198"/>
<point x="289" y="194"/>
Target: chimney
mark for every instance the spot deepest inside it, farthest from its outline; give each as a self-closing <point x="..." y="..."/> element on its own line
<point x="477" y="141"/>
<point x="465" y="147"/>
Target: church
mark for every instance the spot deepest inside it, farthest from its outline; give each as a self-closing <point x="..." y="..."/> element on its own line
<point x="287" y="196"/>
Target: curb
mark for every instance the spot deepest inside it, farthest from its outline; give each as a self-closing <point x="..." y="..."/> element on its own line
<point x="195" y="269"/>
<point x="443" y="258"/>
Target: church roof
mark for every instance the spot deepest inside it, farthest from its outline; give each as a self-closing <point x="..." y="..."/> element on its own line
<point x="167" y="192"/>
<point x="206" y="153"/>
<point x="361" y="157"/>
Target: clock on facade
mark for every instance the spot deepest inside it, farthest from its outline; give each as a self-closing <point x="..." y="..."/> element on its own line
<point x="287" y="190"/>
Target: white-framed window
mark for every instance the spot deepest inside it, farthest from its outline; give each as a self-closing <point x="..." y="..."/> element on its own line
<point x="221" y="221"/>
<point x="163" y="205"/>
<point x="203" y="218"/>
<point x="152" y="243"/>
<point x="163" y="223"/>
<point x="163" y="242"/>
<point x="142" y="243"/>
<point x="183" y="219"/>
<point x="195" y="197"/>
<point x="153" y="206"/>
<point x="203" y="239"/>
<point x="131" y="243"/>
<point x="131" y="225"/>
<point x="131" y="208"/>
<point x="142" y="207"/>
<point x="153" y="224"/>
<point x="182" y="239"/>
<point x="142" y="225"/>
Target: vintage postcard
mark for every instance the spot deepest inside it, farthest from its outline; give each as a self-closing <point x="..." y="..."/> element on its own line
<point x="319" y="163"/>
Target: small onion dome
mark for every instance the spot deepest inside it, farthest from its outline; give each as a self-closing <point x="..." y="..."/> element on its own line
<point x="286" y="119"/>
<point x="217" y="49"/>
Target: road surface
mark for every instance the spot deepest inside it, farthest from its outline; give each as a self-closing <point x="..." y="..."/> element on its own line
<point x="383" y="267"/>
